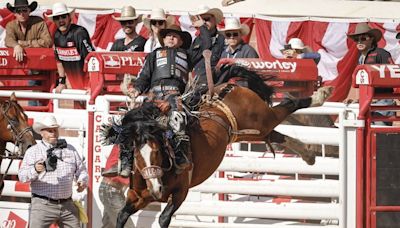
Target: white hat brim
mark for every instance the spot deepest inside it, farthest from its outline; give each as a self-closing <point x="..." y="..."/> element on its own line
<point x="69" y="11"/>
<point x="217" y="13"/>
<point x="125" y="18"/>
<point x="244" y="29"/>
<point x="37" y="127"/>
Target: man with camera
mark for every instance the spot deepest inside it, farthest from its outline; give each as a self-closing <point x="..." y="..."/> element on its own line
<point x="51" y="166"/>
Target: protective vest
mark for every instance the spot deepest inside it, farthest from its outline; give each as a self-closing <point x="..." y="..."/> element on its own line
<point x="169" y="64"/>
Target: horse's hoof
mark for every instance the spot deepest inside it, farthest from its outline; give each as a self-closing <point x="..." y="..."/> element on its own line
<point x="321" y="95"/>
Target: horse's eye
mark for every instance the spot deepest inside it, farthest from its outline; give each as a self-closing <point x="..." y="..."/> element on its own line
<point x="14" y="122"/>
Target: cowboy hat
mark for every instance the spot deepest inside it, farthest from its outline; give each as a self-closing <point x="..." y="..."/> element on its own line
<point x="45" y="122"/>
<point x="185" y="36"/>
<point x="58" y="9"/>
<point x="22" y="3"/>
<point x="363" y="28"/>
<point x="157" y="14"/>
<point x="294" y="44"/>
<point x="234" y="24"/>
<point x="128" y="13"/>
<point x="217" y="13"/>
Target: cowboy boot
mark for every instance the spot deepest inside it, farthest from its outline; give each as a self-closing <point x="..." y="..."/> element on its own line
<point x="181" y="149"/>
<point x="126" y="164"/>
<point x="111" y="172"/>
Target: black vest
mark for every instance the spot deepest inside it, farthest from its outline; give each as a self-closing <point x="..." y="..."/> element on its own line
<point x="170" y="63"/>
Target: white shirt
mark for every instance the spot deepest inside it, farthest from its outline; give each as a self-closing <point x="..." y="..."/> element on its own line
<point x="151" y="45"/>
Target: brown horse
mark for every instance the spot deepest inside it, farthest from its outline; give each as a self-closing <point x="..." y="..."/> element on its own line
<point x="234" y="114"/>
<point x="16" y="129"/>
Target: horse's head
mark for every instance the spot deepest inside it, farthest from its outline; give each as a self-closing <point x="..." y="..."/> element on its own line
<point x="15" y="121"/>
<point x="148" y="161"/>
<point x="140" y="133"/>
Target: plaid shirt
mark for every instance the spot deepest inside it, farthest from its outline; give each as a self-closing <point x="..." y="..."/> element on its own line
<point x="56" y="184"/>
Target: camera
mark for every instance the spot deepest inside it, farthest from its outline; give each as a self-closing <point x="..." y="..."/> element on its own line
<point x="51" y="160"/>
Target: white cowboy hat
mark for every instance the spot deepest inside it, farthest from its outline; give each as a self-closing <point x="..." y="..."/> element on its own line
<point x="157" y="14"/>
<point x="45" y="122"/>
<point x="127" y="13"/>
<point x="232" y="24"/>
<point x="59" y="8"/>
<point x="296" y="44"/>
<point x="217" y="13"/>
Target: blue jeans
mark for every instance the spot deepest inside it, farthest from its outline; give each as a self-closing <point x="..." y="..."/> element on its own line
<point x="383" y="102"/>
<point x="34" y="83"/>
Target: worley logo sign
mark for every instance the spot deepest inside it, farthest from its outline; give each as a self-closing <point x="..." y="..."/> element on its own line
<point x="273" y="66"/>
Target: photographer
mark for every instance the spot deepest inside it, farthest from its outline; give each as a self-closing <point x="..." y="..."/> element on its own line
<point x="51" y="166"/>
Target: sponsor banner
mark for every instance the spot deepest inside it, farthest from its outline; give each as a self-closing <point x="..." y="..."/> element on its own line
<point x="282" y="69"/>
<point x="378" y="75"/>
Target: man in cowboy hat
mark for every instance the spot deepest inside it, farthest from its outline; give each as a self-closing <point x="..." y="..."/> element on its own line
<point x="236" y="47"/>
<point x="296" y="49"/>
<point x="206" y="20"/>
<point x="165" y="73"/>
<point x="367" y="40"/>
<point x="51" y="166"/>
<point x="26" y="31"/>
<point x="72" y="44"/>
<point x="132" y="41"/>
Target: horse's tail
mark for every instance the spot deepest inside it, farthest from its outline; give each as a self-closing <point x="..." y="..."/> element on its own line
<point x="255" y="82"/>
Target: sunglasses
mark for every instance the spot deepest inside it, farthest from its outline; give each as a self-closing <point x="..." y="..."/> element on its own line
<point x="206" y="18"/>
<point x="155" y="22"/>
<point x="123" y="23"/>
<point x="362" y="38"/>
<point x="21" y="10"/>
<point x="231" y="34"/>
<point x="56" y="18"/>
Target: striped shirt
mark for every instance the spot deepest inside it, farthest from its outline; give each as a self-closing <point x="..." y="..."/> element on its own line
<point x="55" y="184"/>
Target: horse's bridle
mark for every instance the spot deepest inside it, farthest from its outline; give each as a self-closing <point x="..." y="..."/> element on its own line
<point x="152" y="171"/>
<point x="12" y="126"/>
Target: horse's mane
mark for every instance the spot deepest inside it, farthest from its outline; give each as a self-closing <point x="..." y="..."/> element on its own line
<point x="255" y="82"/>
<point x="139" y="124"/>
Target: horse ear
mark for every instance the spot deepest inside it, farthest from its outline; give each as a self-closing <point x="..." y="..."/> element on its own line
<point x="13" y="97"/>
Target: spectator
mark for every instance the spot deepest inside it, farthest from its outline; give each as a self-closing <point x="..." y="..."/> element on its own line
<point x="165" y="73"/>
<point x="206" y="20"/>
<point x="157" y="21"/>
<point x="51" y="166"/>
<point x="367" y="40"/>
<point x="296" y="49"/>
<point x="26" y="32"/>
<point x="132" y="41"/>
<point x="236" y="47"/>
<point x="72" y="45"/>
<point x="112" y="193"/>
